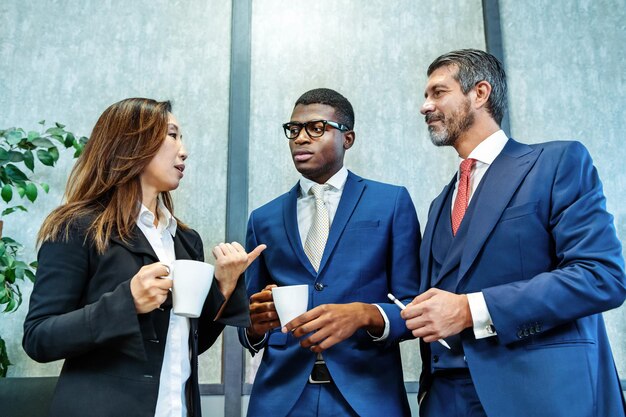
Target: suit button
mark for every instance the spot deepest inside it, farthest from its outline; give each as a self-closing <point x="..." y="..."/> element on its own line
<point x="319" y="286"/>
<point x="526" y="332"/>
<point x="520" y="334"/>
<point x="435" y="358"/>
<point x="537" y="328"/>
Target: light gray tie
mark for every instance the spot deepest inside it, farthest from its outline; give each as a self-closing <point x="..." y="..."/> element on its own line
<point x="318" y="233"/>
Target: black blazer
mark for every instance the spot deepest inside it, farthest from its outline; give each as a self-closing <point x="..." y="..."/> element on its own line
<point x="82" y="310"/>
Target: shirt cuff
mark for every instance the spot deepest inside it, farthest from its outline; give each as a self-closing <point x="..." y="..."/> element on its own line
<point x="386" y="331"/>
<point x="257" y="346"/>
<point x="483" y="325"/>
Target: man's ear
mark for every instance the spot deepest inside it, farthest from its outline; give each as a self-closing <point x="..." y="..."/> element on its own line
<point x="348" y="139"/>
<point x="482" y="91"/>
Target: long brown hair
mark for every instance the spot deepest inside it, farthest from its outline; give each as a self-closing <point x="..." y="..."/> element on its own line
<point x="104" y="185"/>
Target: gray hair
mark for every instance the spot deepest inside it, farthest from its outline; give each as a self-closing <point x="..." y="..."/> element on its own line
<point x="475" y="66"/>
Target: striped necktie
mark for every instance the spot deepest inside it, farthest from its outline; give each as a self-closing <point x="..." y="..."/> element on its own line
<point x="318" y="233"/>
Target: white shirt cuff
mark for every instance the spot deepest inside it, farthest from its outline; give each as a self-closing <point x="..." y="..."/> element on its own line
<point x="483" y="325"/>
<point x="257" y="346"/>
<point x="386" y="331"/>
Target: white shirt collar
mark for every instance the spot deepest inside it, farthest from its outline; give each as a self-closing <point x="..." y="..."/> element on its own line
<point x="337" y="181"/>
<point x="166" y="220"/>
<point x="489" y="149"/>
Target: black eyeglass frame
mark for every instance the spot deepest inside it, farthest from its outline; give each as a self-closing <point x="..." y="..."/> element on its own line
<point x="334" y="125"/>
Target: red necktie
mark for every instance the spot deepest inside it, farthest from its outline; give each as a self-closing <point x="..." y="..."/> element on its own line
<point x="462" y="195"/>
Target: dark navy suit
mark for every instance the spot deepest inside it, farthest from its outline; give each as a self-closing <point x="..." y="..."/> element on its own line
<point x="538" y="242"/>
<point x="372" y="249"/>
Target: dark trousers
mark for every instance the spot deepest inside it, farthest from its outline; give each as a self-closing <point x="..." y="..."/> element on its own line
<point x="452" y="396"/>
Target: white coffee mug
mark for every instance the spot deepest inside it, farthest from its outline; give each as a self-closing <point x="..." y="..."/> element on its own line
<point x="192" y="282"/>
<point x="290" y="301"/>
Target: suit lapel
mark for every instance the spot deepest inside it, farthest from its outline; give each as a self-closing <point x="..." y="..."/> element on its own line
<point x="137" y="244"/>
<point x="290" y="217"/>
<point x="426" y="250"/>
<point x="349" y="198"/>
<point x="506" y="174"/>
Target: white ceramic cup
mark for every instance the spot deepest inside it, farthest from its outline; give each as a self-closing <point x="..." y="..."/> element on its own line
<point x="192" y="282"/>
<point x="290" y="301"/>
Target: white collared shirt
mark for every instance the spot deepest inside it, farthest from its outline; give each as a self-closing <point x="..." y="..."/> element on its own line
<point x="484" y="154"/>
<point x="176" y="367"/>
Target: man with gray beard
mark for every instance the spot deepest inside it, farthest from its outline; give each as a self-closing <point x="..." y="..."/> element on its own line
<point x="519" y="259"/>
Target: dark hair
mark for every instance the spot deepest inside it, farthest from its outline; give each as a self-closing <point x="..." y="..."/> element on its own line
<point x="343" y="108"/>
<point x="104" y="185"/>
<point x="474" y="66"/>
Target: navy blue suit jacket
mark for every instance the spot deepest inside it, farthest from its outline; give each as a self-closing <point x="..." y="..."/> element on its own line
<point x="372" y="250"/>
<point x="543" y="250"/>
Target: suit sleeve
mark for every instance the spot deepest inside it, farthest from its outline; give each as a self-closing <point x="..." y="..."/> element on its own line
<point x="403" y="264"/>
<point x="589" y="273"/>
<point x="59" y="326"/>
<point x="257" y="277"/>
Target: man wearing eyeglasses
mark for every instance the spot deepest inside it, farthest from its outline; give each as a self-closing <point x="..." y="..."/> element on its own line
<point x="352" y="241"/>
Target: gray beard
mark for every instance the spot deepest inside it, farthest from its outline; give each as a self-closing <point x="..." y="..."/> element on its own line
<point x="449" y="134"/>
<point x="442" y="138"/>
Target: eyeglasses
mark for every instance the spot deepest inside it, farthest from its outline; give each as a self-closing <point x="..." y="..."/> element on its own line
<point x="314" y="128"/>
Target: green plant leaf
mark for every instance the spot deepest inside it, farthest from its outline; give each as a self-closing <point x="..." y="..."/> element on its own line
<point x="45" y="157"/>
<point x="19" y="274"/>
<point x="32" y="135"/>
<point x="9" y="274"/>
<point x="3" y="248"/>
<point x="14" y="173"/>
<point x="33" y="264"/>
<point x="11" y="210"/>
<point x="14" y="137"/>
<point x="30" y="275"/>
<point x="55" y="153"/>
<point x="42" y="122"/>
<point x="31" y="192"/>
<point x="7" y="193"/>
<point x="21" y="191"/>
<point x="4" y="155"/>
<point x="69" y="140"/>
<point x="43" y="143"/>
<point x="45" y="187"/>
<point x="59" y="125"/>
<point x="11" y="305"/>
<point x="15" y="156"/>
<point x="29" y="160"/>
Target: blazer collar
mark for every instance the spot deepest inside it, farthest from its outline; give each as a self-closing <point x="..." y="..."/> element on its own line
<point x="139" y="245"/>
<point x="349" y="198"/>
<point x="505" y="176"/>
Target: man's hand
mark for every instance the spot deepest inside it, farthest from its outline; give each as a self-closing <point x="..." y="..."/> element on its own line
<point x="147" y="287"/>
<point x="231" y="260"/>
<point x="437" y="314"/>
<point x="263" y="316"/>
<point x="334" y="323"/>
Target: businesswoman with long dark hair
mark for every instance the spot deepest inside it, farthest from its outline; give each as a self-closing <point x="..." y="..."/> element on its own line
<point x="100" y="301"/>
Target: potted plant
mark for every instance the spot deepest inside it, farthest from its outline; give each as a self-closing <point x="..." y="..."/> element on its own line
<point x="19" y="151"/>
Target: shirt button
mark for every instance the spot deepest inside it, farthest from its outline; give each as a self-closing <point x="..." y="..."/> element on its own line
<point x="319" y="286"/>
<point x="435" y="358"/>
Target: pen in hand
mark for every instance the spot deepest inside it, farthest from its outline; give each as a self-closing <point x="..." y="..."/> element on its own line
<point x="402" y="307"/>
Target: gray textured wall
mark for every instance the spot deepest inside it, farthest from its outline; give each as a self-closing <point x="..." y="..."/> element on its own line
<point x="66" y="63"/>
